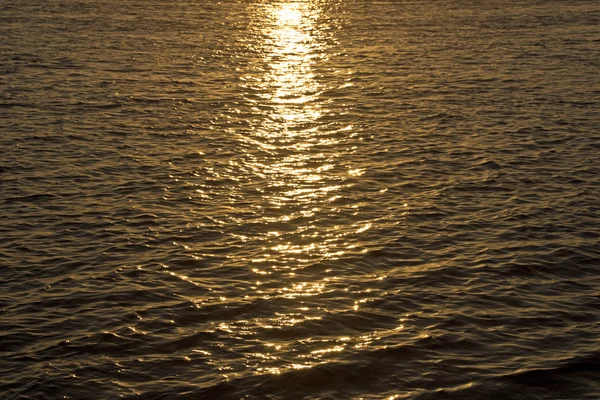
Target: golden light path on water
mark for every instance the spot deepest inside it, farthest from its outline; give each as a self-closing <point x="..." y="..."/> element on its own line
<point x="292" y="132"/>
<point x="301" y="187"/>
<point x="298" y="146"/>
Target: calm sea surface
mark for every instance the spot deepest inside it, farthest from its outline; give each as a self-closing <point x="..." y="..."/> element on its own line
<point x="318" y="199"/>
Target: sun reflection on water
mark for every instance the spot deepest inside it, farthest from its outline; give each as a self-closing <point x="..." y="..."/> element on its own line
<point x="306" y="217"/>
<point x="300" y="163"/>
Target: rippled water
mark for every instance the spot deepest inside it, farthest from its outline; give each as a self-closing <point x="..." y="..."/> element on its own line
<point x="319" y="199"/>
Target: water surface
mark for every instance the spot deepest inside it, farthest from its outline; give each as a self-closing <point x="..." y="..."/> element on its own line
<point x="317" y="199"/>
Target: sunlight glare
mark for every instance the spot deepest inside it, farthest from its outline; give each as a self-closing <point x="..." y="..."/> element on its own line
<point x="289" y="14"/>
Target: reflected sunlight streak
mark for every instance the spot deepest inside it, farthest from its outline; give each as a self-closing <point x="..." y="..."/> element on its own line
<point x="297" y="167"/>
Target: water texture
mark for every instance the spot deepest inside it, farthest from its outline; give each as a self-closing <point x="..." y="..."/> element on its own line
<point x="318" y="199"/>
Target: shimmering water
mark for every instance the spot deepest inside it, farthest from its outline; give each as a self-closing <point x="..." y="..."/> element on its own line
<point x="319" y="199"/>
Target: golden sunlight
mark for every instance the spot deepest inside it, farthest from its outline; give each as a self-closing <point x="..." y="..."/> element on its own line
<point x="289" y="14"/>
<point x="291" y="76"/>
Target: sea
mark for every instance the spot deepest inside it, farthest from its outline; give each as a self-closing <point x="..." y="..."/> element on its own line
<point x="300" y="199"/>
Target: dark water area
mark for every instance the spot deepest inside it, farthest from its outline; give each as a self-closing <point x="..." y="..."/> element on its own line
<point x="318" y="199"/>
